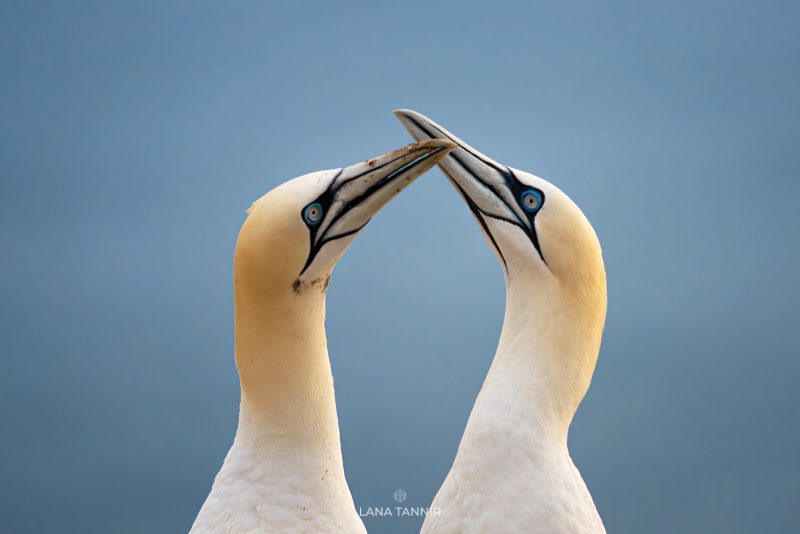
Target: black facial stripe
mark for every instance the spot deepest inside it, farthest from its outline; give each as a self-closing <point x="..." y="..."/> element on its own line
<point x="343" y="234"/>
<point x="510" y="179"/>
<point x="476" y="211"/>
<point x="517" y="188"/>
<point x="326" y="199"/>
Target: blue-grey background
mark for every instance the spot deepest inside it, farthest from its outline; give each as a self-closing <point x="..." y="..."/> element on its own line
<point x="133" y="136"/>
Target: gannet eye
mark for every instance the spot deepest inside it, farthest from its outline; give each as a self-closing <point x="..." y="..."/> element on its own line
<point x="313" y="213"/>
<point x="531" y="200"/>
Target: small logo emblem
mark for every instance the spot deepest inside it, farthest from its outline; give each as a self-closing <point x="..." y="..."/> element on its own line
<point x="400" y="495"/>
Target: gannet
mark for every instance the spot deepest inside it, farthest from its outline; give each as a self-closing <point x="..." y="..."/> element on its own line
<point x="284" y="471"/>
<point x="513" y="471"/>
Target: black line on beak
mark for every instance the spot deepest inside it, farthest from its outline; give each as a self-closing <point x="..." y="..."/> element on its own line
<point x="476" y="211"/>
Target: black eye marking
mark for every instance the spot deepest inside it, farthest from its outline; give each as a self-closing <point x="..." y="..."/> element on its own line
<point x="532" y="200"/>
<point x="312" y="215"/>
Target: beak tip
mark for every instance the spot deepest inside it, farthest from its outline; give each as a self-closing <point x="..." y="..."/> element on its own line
<point x="416" y="124"/>
<point x="406" y="115"/>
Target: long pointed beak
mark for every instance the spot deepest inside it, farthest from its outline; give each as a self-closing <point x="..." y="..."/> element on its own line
<point x="481" y="181"/>
<point x="359" y="191"/>
<point x="490" y="189"/>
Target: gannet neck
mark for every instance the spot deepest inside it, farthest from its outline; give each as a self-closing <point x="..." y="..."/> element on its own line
<point x="547" y="350"/>
<point x="513" y="470"/>
<point x="286" y="454"/>
<point x="284" y="369"/>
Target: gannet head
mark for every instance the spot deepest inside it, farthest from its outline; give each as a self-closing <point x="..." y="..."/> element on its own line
<point x="295" y="234"/>
<point x="551" y="255"/>
<point x="532" y="225"/>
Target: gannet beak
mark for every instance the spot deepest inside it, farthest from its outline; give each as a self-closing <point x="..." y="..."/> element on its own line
<point x="359" y="191"/>
<point x="490" y="189"/>
<point x="483" y="182"/>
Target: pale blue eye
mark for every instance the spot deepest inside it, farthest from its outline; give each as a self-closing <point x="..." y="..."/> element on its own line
<point x="313" y="213"/>
<point x="531" y="200"/>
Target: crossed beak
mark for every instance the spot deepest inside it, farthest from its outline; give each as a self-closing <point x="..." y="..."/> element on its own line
<point x="490" y="189"/>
